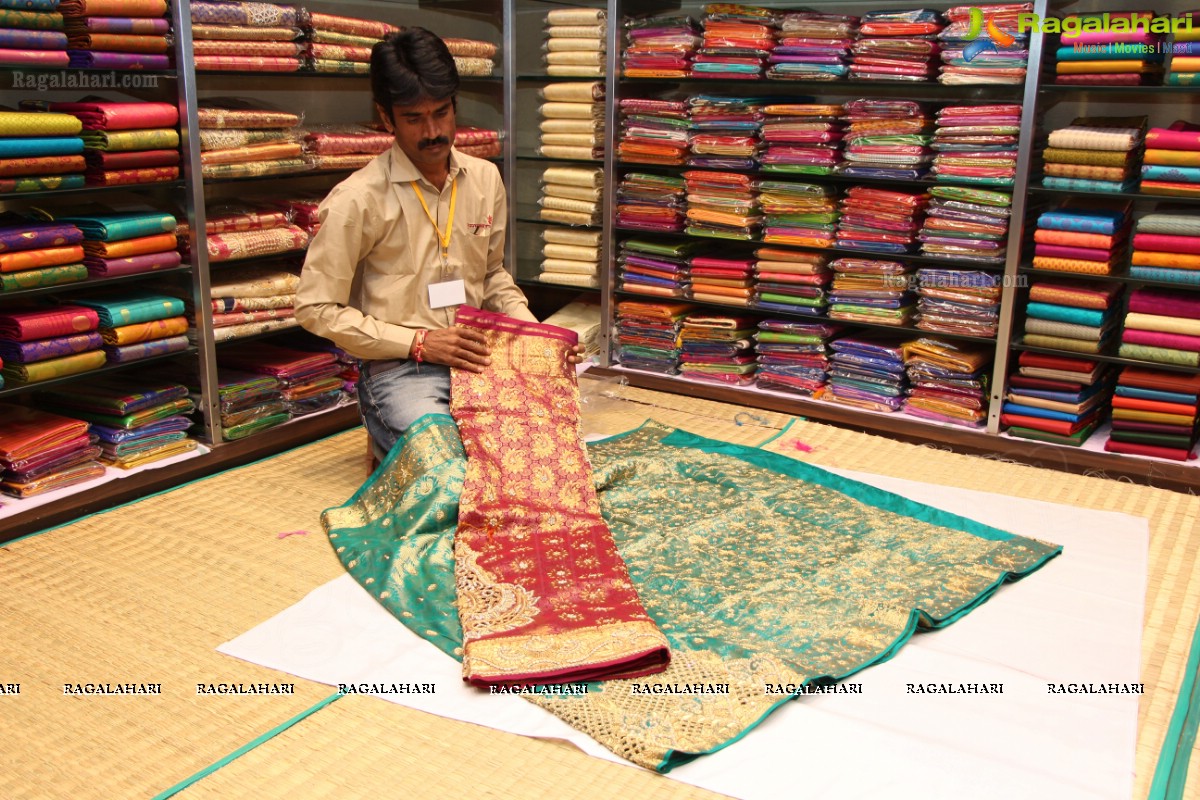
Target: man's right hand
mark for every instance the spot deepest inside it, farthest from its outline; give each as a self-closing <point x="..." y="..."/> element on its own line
<point x="461" y="348"/>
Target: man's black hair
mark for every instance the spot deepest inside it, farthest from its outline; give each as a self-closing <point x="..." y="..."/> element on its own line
<point x="412" y="66"/>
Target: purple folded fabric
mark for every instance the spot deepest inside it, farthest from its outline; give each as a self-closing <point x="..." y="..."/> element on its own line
<point x="1062" y="251"/>
<point x="96" y="59"/>
<point x="42" y="349"/>
<point x="1171" y="341"/>
<point x="1164" y="302"/>
<point x="133" y="265"/>
<point x="37" y="235"/>
<point x="120" y="354"/>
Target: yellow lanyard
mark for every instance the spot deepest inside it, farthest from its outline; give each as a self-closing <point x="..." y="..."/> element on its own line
<point x="443" y="239"/>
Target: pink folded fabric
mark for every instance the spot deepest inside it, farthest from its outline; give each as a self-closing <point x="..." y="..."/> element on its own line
<point x="1167" y="243"/>
<point x="1165" y="303"/>
<point x="1166" y="139"/>
<point x="1171" y="341"/>
<point x="1062" y="251"/>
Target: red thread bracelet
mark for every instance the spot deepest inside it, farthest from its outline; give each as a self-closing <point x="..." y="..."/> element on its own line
<point x="418" y="347"/>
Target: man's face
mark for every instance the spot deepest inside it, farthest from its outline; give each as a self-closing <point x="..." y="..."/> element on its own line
<point x="423" y="130"/>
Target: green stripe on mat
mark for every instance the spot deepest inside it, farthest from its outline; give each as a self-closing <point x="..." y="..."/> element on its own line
<point x="1171" y="773"/>
<point x="216" y="474"/>
<point x="780" y="432"/>
<point x="246" y="748"/>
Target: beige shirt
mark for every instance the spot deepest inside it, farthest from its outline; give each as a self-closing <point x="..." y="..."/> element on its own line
<point x="365" y="283"/>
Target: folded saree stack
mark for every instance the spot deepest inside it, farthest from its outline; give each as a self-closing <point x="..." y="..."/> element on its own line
<point x="478" y="142"/>
<point x="724" y="132"/>
<point x="128" y="243"/>
<point x="251" y="230"/>
<point x="247" y="139"/>
<point x="721" y="280"/>
<point x="1128" y="57"/>
<point x="302" y="340"/>
<point x="248" y="402"/>
<point x="654" y="268"/>
<point x="117" y="34"/>
<point x="966" y="224"/>
<point x="654" y="131"/>
<point x="1166" y="247"/>
<point x="34" y="254"/>
<point x="344" y="146"/>
<point x="797" y="214"/>
<point x="871" y="290"/>
<point x="302" y="211"/>
<point x="472" y="57"/>
<point x="237" y="36"/>
<point x="40" y="151"/>
<point x="138" y="419"/>
<point x="716" y="348"/>
<point x="811" y="46"/>
<point x="40" y="452"/>
<point x="1070" y="315"/>
<point x="791" y="280"/>
<point x="977" y="144"/>
<point x="736" y="41"/>
<point x="1185" y="52"/>
<point x="572" y="125"/>
<point x="575" y="42"/>
<point x="955" y="301"/>
<point x="572" y="195"/>
<point x="1058" y="399"/>
<point x="722" y="205"/>
<point x="792" y="356"/>
<point x="867" y="371"/>
<point x="1084" y="239"/>
<point x="659" y="46"/>
<point x="570" y="257"/>
<point x="1162" y="325"/>
<point x="32" y="34"/>
<point x="1171" y="164"/>
<point x="1094" y="154"/>
<point x="335" y="43"/>
<point x="139" y="324"/>
<point x="803" y="138"/>
<point x="648" y="335"/>
<point x="251" y="301"/>
<point x="124" y="143"/>
<point x="309" y="380"/>
<point x="947" y="382"/>
<point x="886" y="139"/>
<point x="38" y="344"/>
<point x="582" y="317"/>
<point x="999" y="57"/>
<point x="880" y="220"/>
<point x="896" y="46"/>
<point x="648" y="202"/>
<point x="1155" y="414"/>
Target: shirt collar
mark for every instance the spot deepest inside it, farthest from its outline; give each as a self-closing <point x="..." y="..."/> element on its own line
<point x="402" y="170"/>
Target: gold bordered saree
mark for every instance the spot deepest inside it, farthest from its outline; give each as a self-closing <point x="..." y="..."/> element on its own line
<point x="758" y="569"/>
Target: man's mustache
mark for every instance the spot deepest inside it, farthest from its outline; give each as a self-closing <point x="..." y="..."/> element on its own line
<point x="424" y="144"/>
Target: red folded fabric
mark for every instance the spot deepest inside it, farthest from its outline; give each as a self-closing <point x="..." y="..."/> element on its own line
<point x="1166" y="243"/>
<point x="1133" y="448"/>
<point x="27" y="431"/>
<point x="26" y="326"/>
<point x="1141" y="404"/>
<point x="1165" y="380"/>
<point x="1165" y="139"/>
<point x="1061" y="427"/>
<point x="1067" y="363"/>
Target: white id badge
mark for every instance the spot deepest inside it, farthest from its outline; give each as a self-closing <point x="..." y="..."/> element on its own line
<point x="447" y="293"/>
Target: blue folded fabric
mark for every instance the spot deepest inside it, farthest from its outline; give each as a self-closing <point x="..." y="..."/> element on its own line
<point x="1089" y="221"/>
<point x="1042" y="413"/>
<point x="1156" y="394"/>
<point x="36" y="146"/>
<point x="1077" y="316"/>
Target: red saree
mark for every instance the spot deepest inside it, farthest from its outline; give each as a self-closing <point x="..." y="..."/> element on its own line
<point x="543" y="595"/>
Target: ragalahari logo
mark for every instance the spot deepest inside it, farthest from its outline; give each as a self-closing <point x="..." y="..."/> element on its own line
<point x="985" y="36"/>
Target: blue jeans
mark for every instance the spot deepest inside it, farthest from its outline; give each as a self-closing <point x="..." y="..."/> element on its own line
<point x="393" y="400"/>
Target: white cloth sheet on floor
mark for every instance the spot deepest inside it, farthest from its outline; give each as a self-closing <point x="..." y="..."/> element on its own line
<point x="1078" y="620"/>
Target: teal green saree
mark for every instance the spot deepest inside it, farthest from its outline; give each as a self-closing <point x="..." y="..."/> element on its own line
<point x="760" y="570"/>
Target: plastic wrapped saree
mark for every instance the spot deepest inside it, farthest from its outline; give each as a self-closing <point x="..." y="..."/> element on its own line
<point x="760" y="571"/>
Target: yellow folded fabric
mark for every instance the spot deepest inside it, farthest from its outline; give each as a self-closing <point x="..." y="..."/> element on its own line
<point x="1106" y="67"/>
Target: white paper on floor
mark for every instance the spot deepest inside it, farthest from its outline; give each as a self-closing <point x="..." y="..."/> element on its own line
<point x="1078" y="620"/>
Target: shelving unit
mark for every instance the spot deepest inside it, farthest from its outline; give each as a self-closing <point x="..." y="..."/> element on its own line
<point x="1041" y="102"/>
